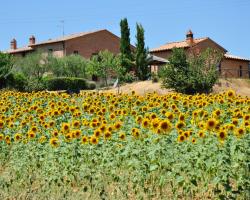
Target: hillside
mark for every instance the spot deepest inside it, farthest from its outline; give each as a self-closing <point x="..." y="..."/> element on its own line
<point x="241" y="86"/>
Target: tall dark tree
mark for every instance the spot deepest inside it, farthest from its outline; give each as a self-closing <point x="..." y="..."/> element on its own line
<point x="125" y="48"/>
<point x="6" y="64"/>
<point x="141" y="55"/>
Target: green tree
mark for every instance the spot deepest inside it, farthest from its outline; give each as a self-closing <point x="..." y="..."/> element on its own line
<point x="125" y="48"/>
<point x="141" y="55"/>
<point x="104" y="65"/>
<point x="75" y="66"/>
<point x="68" y="66"/>
<point x="196" y="74"/>
<point x="6" y="65"/>
<point x="33" y="67"/>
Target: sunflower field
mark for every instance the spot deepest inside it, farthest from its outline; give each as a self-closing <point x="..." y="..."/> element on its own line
<point x="124" y="146"/>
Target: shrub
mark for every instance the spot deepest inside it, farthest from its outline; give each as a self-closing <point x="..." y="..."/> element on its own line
<point x="6" y="65"/>
<point x="91" y="85"/>
<point x="17" y="81"/>
<point x="129" y="77"/>
<point x="197" y="74"/>
<point x="66" y="83"/>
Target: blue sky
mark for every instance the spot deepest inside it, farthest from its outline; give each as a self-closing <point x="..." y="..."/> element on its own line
<point x="225" y="21"/>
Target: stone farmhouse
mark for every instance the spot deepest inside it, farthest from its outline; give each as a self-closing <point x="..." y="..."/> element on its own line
<point x="85" y="44"/>
<point x="230" y="67"/>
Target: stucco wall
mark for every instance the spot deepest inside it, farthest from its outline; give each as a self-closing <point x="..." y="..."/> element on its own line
<point x="230" y="68"/>
<point x="57" y="49"/>
<point x="93" y="43"/>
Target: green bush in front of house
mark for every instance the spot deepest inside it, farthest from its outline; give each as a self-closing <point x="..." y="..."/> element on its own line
<point x="71" y="84"/>
<point x="190" y="75"/>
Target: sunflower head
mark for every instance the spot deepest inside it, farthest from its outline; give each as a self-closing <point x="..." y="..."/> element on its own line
<point x="122" y="136"/>
<point x="181" y="138"/>
<point x="54" y="142"/>
<point x="222" y="135"/>
<point x="211" y="124"/>
<point x="94" y="140"/>
<point x="84" y="140"/>
<point x="165" y="125"/>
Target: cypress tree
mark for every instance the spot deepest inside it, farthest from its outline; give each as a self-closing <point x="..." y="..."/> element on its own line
<point x="142" y="70"/>
<point x="126" y="54"/>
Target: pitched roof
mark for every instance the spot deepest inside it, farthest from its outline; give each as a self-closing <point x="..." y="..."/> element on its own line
<point x="19" y="50"/>
<point x="153" y="58"/>
<point x="181" y="44"/>
<point x="67" y="37"/>
<point x="60" y="39"/>
<point x="235" y="57"/>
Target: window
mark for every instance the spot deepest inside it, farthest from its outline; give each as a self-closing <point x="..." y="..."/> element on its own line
<point x="240" y="71"/>
<point x="219" y="68"/>
<point x="76" y="52"/>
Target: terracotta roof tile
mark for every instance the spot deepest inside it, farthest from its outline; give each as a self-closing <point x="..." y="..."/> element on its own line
<point x="181" y="44"/>
<point x="67" y="37"/>
<point x="235" y="57"/>
<point x="18" y="50"/>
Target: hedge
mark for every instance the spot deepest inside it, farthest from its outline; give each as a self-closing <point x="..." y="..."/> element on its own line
<point x="70" y="84"/>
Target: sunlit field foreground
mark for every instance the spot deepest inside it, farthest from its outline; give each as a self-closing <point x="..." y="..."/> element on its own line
<point x="107" y="146"/>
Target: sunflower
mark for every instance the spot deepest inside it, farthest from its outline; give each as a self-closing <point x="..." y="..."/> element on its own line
<point x="54" y="142"/>
<point x="246" y="117"/>
<point x="155" y="123"/>
<point x="193" y="140"/>
<point x="65" y="127"/>
<point x="55" y="133"/>
<point x="76" y="124"/>
<point x="107" y="135"/>
<point x="17" y="137"/>
<point x="235" y="121"/>
<point x="153" y="116"/>
<point x="118" y="125"/>
<point x="180" y="125"/>
<point x="112" y="116"/>
<point x="201" y="134"/>
<point x="97" y="133"/>
<point x="94" y="139"/>
<point x="69" y="136"/>
<point x="31" y="135"/>
<point x="239" y="132"/>
<point x="169" y="115"/>
<point x="230" y="127"/>
<point x="122" y="136"/>
<point x="182" y="117"/>
<point x="77" y="133"/>
<point x="85" y="140"/>
<point x="217" y="113"/>
<point x="165" y="125"/>
<point x="145" y="123"/>
<point x="51" y="124"/>
<point x="1" y="124"/>
<point x="181" y="138"/>
<point x="139" y="119"/>
<point x="230" y="93"/>
<point x="211" y="124"/>
<point x="136" y="133"/>
<point x="1" y="137"/>
<point x="103" y="128"/>
<point x="222" y="135"/>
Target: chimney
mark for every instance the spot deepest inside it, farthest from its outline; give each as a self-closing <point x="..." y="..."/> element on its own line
<point x="190" y="37"/>
<point x="32" y="40"/>
<point x="13" y="44"/>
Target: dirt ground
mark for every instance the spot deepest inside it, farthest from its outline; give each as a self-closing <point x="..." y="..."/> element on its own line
<point x="241" y="86"/>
